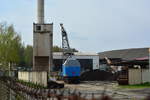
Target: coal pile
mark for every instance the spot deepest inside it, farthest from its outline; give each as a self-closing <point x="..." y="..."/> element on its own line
<point x="55" y="85"/>
<point x="97" y="75"/>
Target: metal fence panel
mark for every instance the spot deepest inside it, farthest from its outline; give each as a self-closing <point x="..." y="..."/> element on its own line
<point x="145" y="75"/>
<point x="135" y="76"/>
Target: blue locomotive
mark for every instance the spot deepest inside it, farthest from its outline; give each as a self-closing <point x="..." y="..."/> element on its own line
<point x="71" y="70"/>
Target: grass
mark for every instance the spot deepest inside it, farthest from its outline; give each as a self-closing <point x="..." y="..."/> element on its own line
<point x="144" y="85"/>
<point x="31" y="84"/>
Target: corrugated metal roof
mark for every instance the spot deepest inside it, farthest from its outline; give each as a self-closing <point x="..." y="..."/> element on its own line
<point x="126" y="54"/>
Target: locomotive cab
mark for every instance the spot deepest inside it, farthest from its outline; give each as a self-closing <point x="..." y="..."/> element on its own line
<point x="71" y="70"/>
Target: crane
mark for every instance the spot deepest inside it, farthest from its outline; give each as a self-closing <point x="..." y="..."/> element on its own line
<point x="71" y="66"/>
<point x="65" y="43"/>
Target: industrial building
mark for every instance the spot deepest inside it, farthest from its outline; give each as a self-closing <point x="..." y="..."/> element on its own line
<point x="88" y="61"/>
<point x="134" y="63"/>
<point x="98" y="61"/>
<point x="124" y="55"/>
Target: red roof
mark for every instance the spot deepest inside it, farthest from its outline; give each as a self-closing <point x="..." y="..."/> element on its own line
<point x="142" y="58"/>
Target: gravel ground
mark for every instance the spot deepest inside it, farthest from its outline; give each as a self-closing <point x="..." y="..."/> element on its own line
<point x="109" y="88"/>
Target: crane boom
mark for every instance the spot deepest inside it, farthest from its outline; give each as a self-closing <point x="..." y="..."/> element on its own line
<point x="65" y="42"/>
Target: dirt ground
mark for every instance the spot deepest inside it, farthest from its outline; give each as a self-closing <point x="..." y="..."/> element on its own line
<point x="110" y="88"/>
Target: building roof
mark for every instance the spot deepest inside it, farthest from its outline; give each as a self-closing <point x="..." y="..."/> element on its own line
<point x="131" y="63"/>
<point x="126" y="54"/>
<point x="142" y="58"/>
<point x="78" y="54"/>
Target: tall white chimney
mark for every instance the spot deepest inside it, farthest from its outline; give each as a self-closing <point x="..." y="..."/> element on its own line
<point x="40" y="14"/>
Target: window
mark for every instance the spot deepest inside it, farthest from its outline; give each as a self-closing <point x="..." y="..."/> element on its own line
<point x="38" y="28"/>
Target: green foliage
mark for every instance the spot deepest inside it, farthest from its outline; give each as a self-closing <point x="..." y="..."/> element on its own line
<point x="31" y="84"/>
<point x="10" y="43"/>
<point x="74" y="50"/>
<point x="28" y="54"/>
<point x="13" y="52"/>
<point x="144" y="85"/>
<point x="22" y="56"/>
<point x="18" y="97"/>
<point x="57" y="49"/>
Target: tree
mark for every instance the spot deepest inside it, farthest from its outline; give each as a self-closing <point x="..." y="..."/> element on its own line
<point x="13" y="52"/>
<point x="22" y="56"/>
<point x="74" y="50"/>
<point x="57" y="49"/>
<point x="28" y="54"/>
<point x="10" y="43"/>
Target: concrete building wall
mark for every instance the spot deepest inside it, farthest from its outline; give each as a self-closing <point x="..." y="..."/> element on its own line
<point x="42" y="47"/>
<point x="94" y="57"/>
<point x="35" y="77"/>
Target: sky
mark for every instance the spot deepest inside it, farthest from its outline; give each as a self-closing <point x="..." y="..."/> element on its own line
<point x="92" y="25"/>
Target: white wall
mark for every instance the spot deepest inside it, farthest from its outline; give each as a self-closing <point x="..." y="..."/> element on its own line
<point x="35" y="77"/>
<point x="95" y="58"/>
<point x="96" y="62"/>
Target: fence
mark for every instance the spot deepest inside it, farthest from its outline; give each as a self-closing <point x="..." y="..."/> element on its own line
<point x="11" y="89"/>
<point x="39" y="77"/>
<point x="138" y="76"/>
